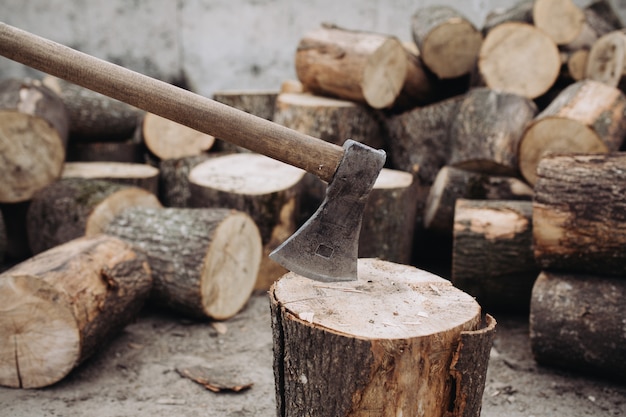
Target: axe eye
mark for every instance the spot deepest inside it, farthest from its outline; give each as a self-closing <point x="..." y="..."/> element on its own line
<point x="324" y="251"/>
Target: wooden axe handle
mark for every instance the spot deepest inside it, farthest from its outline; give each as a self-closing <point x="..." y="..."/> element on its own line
<point x="205" y="115"/>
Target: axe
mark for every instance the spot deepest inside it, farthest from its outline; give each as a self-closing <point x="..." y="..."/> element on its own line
<point x="325" y="248"/>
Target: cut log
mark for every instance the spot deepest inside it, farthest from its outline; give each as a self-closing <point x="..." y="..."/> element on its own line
<point x="168" y="140"/>
<point x="129" y="151"/>
<point x="33" y="136"/>
<point x="492" y="256"/>
<point x="267" y="190"/>
<point x="580" y="213"/>
<point x="329" y="119"/>
<point x="519" y="12"/>
<point x="335" y="344"/>
<point x="448" y="42"/>
<point x="509" y="60"/>
<point x="586" y="117"/>
<point x="576" y="65"/>
<point x="389" y="218"/>
<point x="359" y="66"/>
<point x="419" y="140"/>
<point x="420" y="87"/>
<point x="174" y="179"/>
<point x="138" y="175"/>
<point x="63" y="305"/>
<point x="562" y="20"/>
<point x="577" y="323"/>
<point x="607" y="60"/>
<point x="93" y="116"/>
<point x="74" y="207"/>
<point x="204" y="261"/>
<point x="487" y="130"/>
<point x="454" y="183"/>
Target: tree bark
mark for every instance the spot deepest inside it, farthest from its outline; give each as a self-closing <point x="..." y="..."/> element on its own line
<point x="606" y="62"/>
<point x="166" y="139"/>
<point x="586" y="117"/>
<point x="94" y="116"/>
<point x="329" y="119"/>
<point x="419" y="140"/>
<point x="204" y="261"/>
<point x="454" y="183"/>
<point x="389" y="218"/>
<point x="137" y="175"/>
<point x="492" y="256"/>
<point x="577" y="323"/>
<point x="74" y="207"/>
<point x="33" y="137"/>
<point x="174" y="178"/>
<point x="519" y="12"/>
<point x="267" y="190"/>
<point x="487" y="130"/>
<point x="448" y="42"/>
<point x="348" y="65"/>
<point x="62" y="305"/>
<point x="420" y="87"/>
<point x="579" y="214"/>
<point x="509" y="60"/>
<point x="384" y="344"/>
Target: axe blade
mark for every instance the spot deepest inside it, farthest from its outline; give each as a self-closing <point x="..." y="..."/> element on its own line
<point x="326" y="247"/>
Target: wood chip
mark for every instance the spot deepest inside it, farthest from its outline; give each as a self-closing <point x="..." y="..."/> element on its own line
<point x="216" y="380"/>
<point x="220" y="328"/>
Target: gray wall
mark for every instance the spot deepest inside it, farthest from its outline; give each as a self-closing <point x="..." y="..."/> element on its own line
<point x="216" y="44"/>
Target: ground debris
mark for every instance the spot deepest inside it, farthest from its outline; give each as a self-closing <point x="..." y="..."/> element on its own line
<point x="216" y="380"/>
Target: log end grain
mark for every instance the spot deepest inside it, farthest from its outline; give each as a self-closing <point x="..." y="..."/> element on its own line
<point x="170" y="140"/>
<point x="605" y="62"/>
<point x="562" y="20"/>
<point x="384" y="74"/>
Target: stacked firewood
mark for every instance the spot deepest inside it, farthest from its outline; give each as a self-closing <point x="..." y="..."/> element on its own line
<point x="105" y="207"/>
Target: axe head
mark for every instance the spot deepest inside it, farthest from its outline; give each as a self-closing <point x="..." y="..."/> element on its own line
<point x="326" y="247"/>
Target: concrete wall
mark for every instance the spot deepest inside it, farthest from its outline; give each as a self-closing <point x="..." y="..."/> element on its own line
<point x="215" y="44"/>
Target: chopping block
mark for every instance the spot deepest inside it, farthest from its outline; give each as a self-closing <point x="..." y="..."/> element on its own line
<point x="398" y="341"/>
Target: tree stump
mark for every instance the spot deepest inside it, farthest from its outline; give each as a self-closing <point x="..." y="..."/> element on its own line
<point x="359" y="66"/>
<point x="509" y="60"/>
<point x="419" y="140"/>
<point x="586" y="117"/>
<point x="492" y="256"/>
<point x="94" y="116"/>
<point x="398" y="341"/>
<point x="448" y="42"/>
<point x="267" y="190"/>
<point x="579" y="214"/>
<point x="454" y="183"/>
<point x="73" y="207"/>
<point x="138" y="175"/>
<point x="577" y="323"/>
<point x="606" y="62"/>
<point x="487" y="130"/>
<point x="61" y="306"/>
<point x="167" y="139"/>
<point x="204" y="261"/>
<point x="329" y="119"/>
<point x="33" y="136"/>
<point x="389" y="218"/>
<point x="562" y="20"/>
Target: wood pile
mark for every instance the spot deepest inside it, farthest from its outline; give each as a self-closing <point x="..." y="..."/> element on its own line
<point x="480" y="186"/>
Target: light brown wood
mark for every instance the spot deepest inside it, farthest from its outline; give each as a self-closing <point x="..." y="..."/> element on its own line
<point x="487" y="130"/>
<point x="267" y="190"/>
<point x="606" y="62"/>
<point x="578" y="213"/>
<point x="421" y="86"/>
<point x="138" y="175"/>
<point x="454" y="183"/>
<point x="200" y="113"/>
<point x="204" y="261"/>
<point x="33" y="137"/>
<point x="492" y="256"/>
<point x="562" y="20"/>
<point x="586" y="117"/>
<point x="338" y="341"/>
<point x="63" y="305"/>
<point x="74" y="207"/>
<point x="519" y="58"/>
<point x="360" y="66"/>
<point x="332" y="120"/>
<point x="169" y="140"/>
<point x="577" y="323"/>
<point x="389" y="218"/>
<point x="521" y="11"/>
<point x="448" y="42"/>
<point x="576" y="64"/>
<point x="93" y="116"/>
